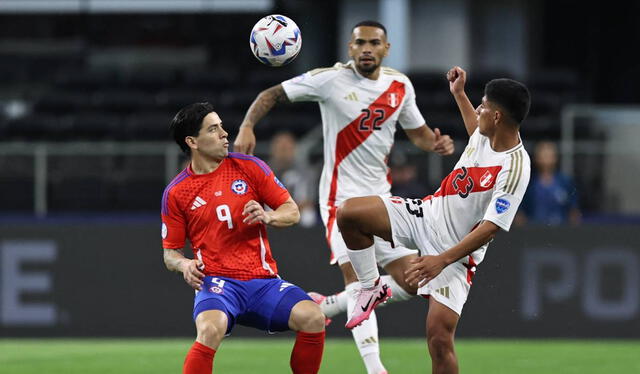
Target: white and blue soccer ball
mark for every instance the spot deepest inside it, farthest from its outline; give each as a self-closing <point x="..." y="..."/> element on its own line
<point x="275" y="40"/>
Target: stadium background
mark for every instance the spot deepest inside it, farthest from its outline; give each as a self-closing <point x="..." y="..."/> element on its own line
<point x="89" y="86"/>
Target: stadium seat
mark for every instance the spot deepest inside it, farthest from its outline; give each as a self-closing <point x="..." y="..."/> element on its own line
<point x="146" y="126"/>
<point x="62" y="102"/>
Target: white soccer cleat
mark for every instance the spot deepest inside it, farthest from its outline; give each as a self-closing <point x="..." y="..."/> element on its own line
<point x="367" y="300"/>
<point x="319" y="299"/>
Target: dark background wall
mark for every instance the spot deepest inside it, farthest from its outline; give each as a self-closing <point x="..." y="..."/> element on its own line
<point x="108" y="279"/>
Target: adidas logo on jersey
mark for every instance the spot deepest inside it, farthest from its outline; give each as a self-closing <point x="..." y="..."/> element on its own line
<point x="351" y="97"/>
<point x="444" y="291"/>
<point x="284" y="285"/>
<point x="198" y="202"/>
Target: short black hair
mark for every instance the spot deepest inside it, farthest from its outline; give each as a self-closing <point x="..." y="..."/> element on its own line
<point x="510" y="95"/>
<point x="188" y="122"/>
<point x="371" y="24"/>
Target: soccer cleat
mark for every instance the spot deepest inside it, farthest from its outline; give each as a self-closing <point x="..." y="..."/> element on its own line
<point x="319" y="299"/>
<point x="367" y="300"/>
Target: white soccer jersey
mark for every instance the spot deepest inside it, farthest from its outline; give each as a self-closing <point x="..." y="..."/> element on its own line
<point x="359" y="117"/>
<point x="484" y="186"/>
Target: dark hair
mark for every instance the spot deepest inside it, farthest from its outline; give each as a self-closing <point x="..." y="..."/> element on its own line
<point x="510" y="95"/>
<point x="371" y="24"/>
<point x="188" y="122"/>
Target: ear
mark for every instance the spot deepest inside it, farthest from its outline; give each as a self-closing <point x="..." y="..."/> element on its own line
<point x="191" y="142"/>
<point x="497" y="117"/>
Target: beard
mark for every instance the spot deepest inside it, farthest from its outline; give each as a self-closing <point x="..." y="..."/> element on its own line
<point x="368" y="68"/>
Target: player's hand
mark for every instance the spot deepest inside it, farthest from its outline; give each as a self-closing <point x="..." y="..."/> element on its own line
<point x="457" y="78"/>
<point x="443" y="145"/>
<point x="245" y="141"/>
<point x="192" y="274"/>
<point x="423" y="269"/>
<point x="255" y="213"/>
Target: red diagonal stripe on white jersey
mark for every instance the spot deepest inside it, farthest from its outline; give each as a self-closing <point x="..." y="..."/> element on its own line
<point x="350" y="137"/>
<point x="481" y="181"/>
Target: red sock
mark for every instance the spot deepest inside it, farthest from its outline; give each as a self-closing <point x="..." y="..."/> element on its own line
<point x="199" y="360"/>
<point x="307" y="352"/>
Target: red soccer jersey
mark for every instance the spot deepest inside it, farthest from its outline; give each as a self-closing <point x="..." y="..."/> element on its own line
<point x="207" y="209"/>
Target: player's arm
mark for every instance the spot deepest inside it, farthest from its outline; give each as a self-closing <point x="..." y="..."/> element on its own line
<point x="175" y="260"/>
<point x="457" y="78"/>
<point x="430" y="140"/>
<point x="267" y="99"/>
<point x="287" y="214"/>
<point x="425" y="268"/>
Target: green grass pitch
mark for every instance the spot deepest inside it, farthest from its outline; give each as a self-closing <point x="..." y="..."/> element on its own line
<point x="271" y="355"/>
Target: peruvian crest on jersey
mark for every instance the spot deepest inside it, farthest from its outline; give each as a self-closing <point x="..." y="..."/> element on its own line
<point x="484" y="186"/>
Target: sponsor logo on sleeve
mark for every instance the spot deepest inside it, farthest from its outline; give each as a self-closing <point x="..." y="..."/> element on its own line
<point x="239" y="187"/>
<point x="502" y="205"/>
<point x="164" y="230"/>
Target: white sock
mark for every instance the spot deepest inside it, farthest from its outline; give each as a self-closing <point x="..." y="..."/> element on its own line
<point x="365" y="335"/>
<point x="373" y="363"/>
<point x="334" y="304"/>
<point x="365" y="265"/>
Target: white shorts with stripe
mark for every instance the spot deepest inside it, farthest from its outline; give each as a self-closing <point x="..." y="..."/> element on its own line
<point x="385" y="253"/>
<point x="410" y="228"/>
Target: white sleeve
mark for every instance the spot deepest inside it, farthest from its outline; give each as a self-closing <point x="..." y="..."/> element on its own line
<point x="310" y="86"/>
<point x="410" y="116"/>
<point x="509" y="190"/>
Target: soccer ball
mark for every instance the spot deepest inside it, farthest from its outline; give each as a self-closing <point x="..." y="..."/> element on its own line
<point x="275" y="40"/>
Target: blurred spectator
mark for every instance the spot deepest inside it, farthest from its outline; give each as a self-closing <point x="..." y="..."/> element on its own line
<point x="551" y="197"/>
<point x="404" y="177"/>
<point x="298" y="177"/>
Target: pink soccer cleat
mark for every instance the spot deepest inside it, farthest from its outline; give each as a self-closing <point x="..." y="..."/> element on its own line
<point x="368" y="299"/>
<point x="319" y="299"/>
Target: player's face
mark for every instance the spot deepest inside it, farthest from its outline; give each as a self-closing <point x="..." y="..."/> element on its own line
<point x="212" y="139"/>
<point x="487" y="117"/>
<point x="368" y="46"/>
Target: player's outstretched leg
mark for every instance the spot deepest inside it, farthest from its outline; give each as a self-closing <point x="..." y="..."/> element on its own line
<point x="441" y="328"/>
<point x="359" y="220"/>
<point x="211" y="326"/>
<point x="308" y="322"/>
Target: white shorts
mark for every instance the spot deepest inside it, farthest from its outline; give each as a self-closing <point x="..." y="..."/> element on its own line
<point x="385" y="253"/>
<point x="410" y="228"/>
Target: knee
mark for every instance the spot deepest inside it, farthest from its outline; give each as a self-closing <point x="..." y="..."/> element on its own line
<point x="315" y="322"/>
<point x="346" y="215"/>
<point x="308" y="319"/>
<point x="440" y="344"/>
<point x="210" y="333"/>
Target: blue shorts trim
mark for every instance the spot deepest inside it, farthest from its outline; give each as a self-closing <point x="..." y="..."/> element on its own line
<point x="264" y="304"/>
